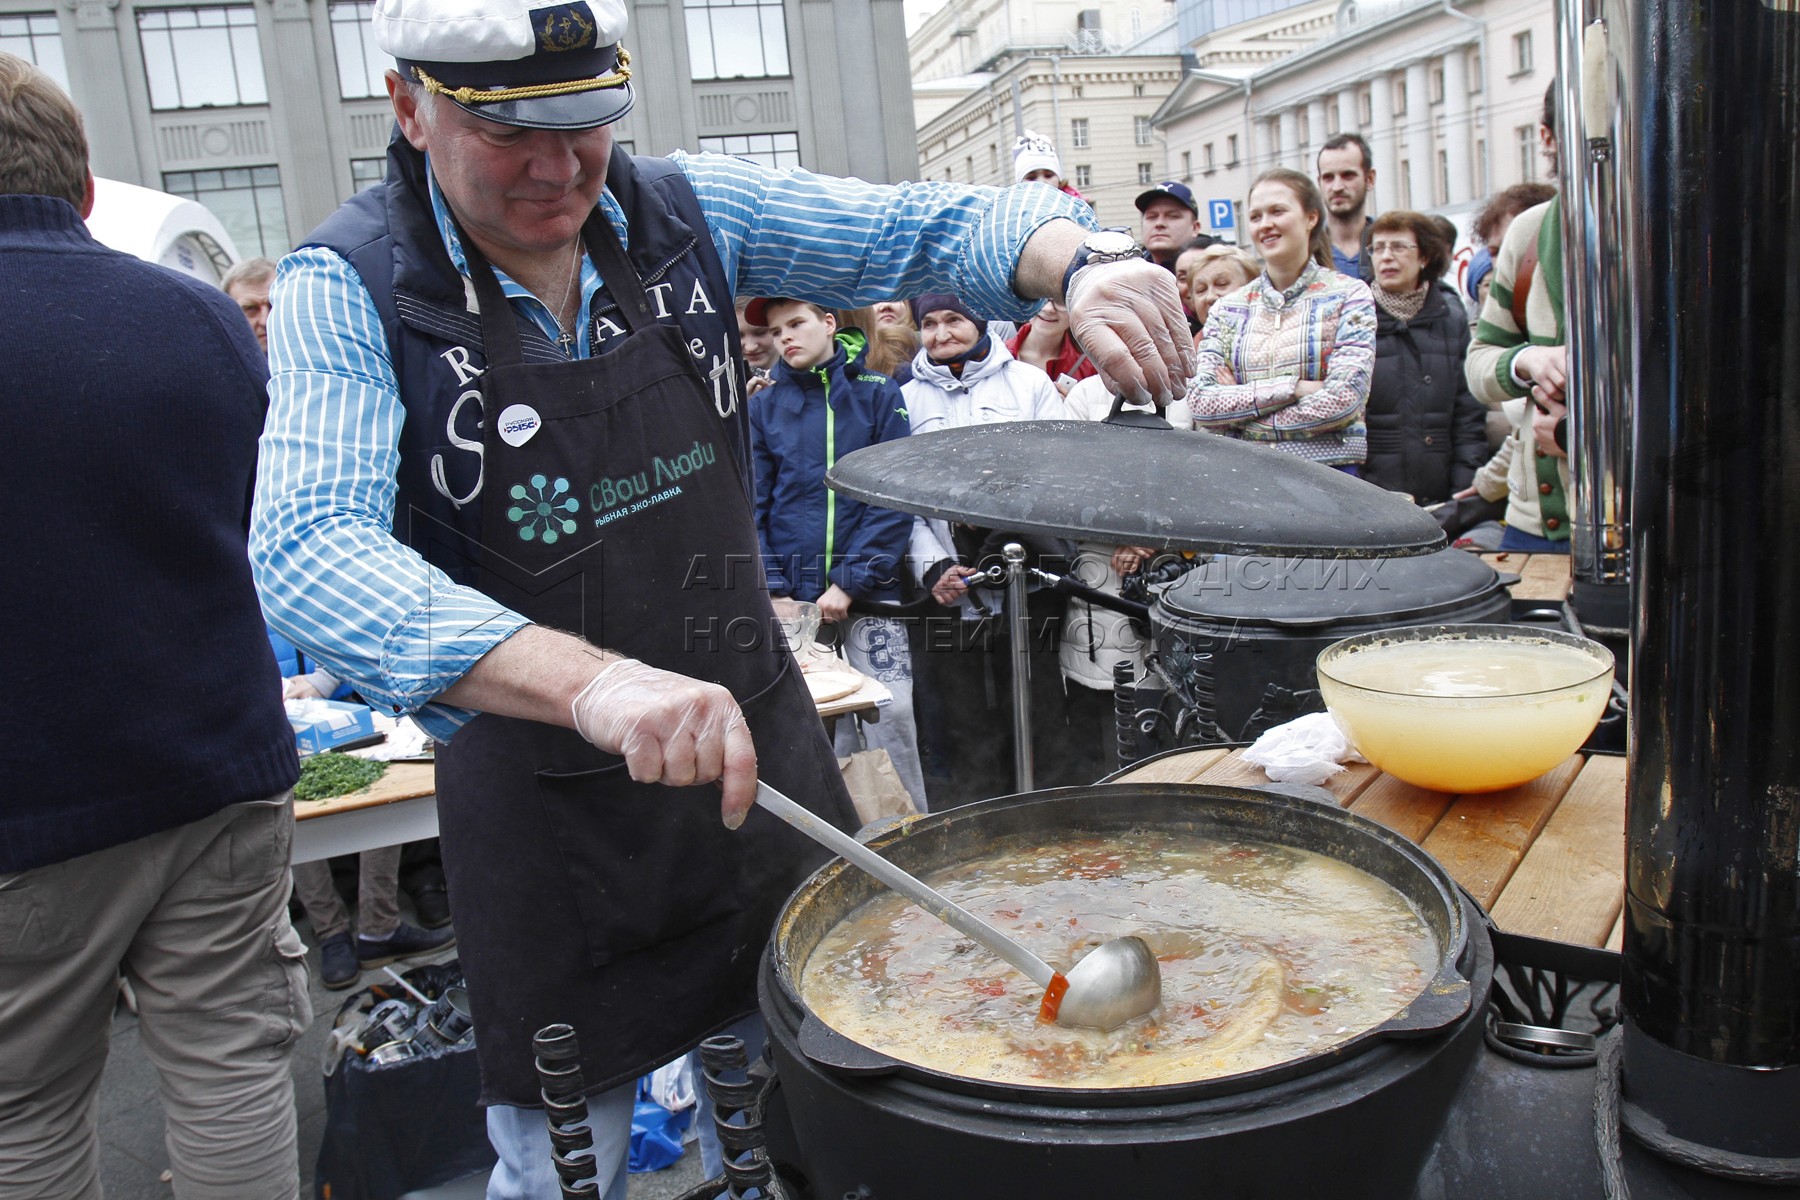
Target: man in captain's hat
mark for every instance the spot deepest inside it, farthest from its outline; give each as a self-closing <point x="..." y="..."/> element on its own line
<point x="503" y="488"/>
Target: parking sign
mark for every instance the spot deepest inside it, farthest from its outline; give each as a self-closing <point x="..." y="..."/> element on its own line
<point x="1219" y="214"/>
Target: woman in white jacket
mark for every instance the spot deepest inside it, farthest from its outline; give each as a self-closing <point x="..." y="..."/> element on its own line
<point x="962" y="377"/>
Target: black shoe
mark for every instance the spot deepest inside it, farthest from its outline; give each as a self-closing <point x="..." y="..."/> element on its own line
<point x="432" y="903"/>
<point x="406" y="941"/>
<point x="337" y="962"/>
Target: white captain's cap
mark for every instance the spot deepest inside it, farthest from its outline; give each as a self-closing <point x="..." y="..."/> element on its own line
<point x="539" y="65"/>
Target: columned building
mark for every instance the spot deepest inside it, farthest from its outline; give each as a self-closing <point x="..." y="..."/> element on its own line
<point x="272" y="112"/>
<point x="1089" y="77"/>
<point x="1446" y="92"/>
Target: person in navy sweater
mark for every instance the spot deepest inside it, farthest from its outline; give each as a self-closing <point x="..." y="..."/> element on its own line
<point x="816" y="544"/>
<point x="146" y="776"/>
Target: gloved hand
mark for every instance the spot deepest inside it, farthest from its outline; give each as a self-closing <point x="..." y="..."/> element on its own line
<point x="670" y="729"/>
<point x="1127" y="317"/>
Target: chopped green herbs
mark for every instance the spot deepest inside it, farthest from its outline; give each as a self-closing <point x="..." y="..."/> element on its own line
<point x="323" y="776"/>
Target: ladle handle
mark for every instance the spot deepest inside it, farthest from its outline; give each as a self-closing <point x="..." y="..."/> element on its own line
<point x="937" y="905"/>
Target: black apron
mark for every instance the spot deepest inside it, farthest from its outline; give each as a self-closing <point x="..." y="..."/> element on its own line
<point x="612" y="507"/>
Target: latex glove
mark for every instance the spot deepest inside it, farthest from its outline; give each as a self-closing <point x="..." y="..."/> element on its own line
<point x="1126" y="559"/>
<point x="1127" y="317"/>
<point x="670" y="729"/>
<point x="300" y="687"/>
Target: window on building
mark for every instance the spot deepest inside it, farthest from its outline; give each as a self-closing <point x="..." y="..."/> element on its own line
<point x="1144" y="170"/>
<point x="202" y="57"/>
<point x="1399" y="97"/>
<point x="1084" y="177"/>
<point x="969" y="168"/>
<point x="360" y="62"/>
<point x="993" y="157"/>
<point x="247" y="201"/>
<point x="35" y="38"/>
<point x="1075" y="90"/>
<point x="769" y="149"/>
<point x="736" y="39"/>
<point x="1231" y="150"/>
<point x="1140" y="130"/>
<point x="1443" y="178"/>
<point x="1521" y="53"/>
<point x="1208" y="159"/>
<point x="1481" y="168"/>
<point x="1365" y="104"/>
<point x="366" y="172"/>
<point x="1528" y="148"/>
<point x="1187" y="164"/>
<point x="1437" y="85"/>
<point x="1078" y="133"/>
<point x="1137" y="90"/>
<point x="1137" y="25"/>
<point x="1475" y="65"/>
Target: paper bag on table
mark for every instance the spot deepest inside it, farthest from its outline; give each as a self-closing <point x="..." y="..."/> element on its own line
<point x="875" y="786"/>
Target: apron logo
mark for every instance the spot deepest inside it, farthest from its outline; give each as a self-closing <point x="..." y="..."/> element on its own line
<point x="519" y="424"/>
<point x="539" y="502"/>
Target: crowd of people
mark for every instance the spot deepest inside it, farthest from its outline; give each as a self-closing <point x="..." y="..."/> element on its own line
<point x="507" y="572"/>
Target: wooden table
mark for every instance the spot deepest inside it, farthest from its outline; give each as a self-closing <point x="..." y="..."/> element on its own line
<point x="1546" y="858"/>
<point x="401" y="806"/>
<point x="1541" y="576"/>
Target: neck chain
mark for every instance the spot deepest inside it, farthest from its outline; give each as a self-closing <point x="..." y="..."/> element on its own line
<point x="566" y="339"/>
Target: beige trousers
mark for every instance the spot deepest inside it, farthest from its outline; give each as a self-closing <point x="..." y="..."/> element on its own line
<point x="196" y="919"/>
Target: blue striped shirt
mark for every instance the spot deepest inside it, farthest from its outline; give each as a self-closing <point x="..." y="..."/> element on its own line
<point x="333" y="578"/>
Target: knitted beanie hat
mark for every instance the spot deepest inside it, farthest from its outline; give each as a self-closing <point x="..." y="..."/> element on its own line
<point x="1034" y="152"/>
<point x="940" y="301"/>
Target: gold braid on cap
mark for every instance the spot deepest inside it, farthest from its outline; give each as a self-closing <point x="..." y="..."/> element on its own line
<point x="471" y="95"/>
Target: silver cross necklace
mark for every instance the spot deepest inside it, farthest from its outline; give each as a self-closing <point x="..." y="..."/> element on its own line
<point x="566" y="338"/>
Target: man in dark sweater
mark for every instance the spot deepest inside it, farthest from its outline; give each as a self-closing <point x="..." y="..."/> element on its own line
<point x="147" y="770"/>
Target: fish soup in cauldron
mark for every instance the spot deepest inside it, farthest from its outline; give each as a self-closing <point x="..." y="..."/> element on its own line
<point x="1268" y="954"/>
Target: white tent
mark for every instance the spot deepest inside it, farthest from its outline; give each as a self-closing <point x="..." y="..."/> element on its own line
<point x="157" y="227"/>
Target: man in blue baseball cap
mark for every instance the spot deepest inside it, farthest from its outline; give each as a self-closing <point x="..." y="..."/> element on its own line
<point x="503" y="487"/>
<point x="1171" y="219"/>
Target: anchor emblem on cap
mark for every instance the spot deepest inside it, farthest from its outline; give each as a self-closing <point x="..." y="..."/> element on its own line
<point x="565" y="27"/>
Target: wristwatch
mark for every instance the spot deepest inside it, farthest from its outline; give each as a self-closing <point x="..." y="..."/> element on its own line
<point x="1104" y="246"/>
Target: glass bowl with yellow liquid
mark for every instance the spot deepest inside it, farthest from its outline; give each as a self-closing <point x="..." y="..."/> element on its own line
<point x="1466" y="708"/>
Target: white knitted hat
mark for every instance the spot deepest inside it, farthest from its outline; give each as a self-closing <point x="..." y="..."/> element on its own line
<point x="1034" y="152"/>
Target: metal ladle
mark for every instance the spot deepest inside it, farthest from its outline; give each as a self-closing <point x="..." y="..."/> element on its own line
<point x="1117" y="981"/>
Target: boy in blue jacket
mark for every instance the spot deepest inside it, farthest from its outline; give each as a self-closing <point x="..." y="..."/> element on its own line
<point x="816" y="544"/>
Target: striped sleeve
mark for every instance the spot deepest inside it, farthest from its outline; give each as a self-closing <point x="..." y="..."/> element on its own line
<point x="333" y="579"/>
<point x="846" y="242"/>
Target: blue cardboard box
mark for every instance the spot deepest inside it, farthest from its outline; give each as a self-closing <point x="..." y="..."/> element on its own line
<point x="327" y="724"/>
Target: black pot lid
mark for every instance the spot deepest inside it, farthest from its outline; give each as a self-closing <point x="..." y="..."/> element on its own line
<point x="1128" y="485"/>
<point x="1308" y="591"/>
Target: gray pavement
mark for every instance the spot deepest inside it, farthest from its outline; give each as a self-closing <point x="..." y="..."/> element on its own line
<point x="132" y="1159"/>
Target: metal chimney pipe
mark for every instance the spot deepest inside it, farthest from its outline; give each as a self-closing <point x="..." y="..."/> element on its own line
<point x="1712" y="935"/>
<point x="1595" y="138"/>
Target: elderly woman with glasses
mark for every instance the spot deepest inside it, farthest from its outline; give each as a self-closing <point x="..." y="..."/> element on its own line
<point x="1427" y="434"/>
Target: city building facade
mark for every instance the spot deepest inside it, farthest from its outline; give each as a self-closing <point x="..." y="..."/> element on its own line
<point x="1090" y="78"/>
<point x="272" y="112"/>
<point x="1446" y="92"/>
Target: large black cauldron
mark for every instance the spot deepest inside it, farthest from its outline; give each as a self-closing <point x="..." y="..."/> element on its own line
<point x="852" y="1121"/>
<point x="1236" y="638"/>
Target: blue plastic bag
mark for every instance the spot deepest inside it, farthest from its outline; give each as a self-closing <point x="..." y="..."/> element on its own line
<point x="655" y="1132"/>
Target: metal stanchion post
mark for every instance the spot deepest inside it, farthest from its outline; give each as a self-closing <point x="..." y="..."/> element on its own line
<point x="1020" y="625"/>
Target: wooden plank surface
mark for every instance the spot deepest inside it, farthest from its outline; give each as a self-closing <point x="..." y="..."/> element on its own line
<point x="1570" y="885"/>
<point x="403" y="781"/>
<point x="1234" y="771"/>
<point x="1615" y="941"/>
<point x="1411" y="811"/>
<point x="1176" y="768"/>
<point x="1481" y="838"/>
<point x="1541" y="576"/>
